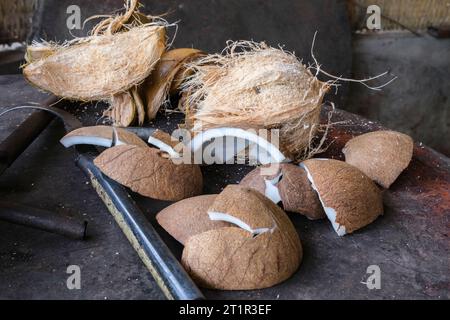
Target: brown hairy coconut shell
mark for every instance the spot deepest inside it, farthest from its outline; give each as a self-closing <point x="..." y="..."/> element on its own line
<point x="381" y="155"/>
<point x="189" y="217"/>
<point x="147" y="172"/>
<point x="156" y="87"/>
<point x="255" y="86"/>
<point x="104" y="136"/>
<point x="350" y="199"/>
<point x="294" y="189"/>
<point x="262" y="250"/>
<point x="99" y="66"/>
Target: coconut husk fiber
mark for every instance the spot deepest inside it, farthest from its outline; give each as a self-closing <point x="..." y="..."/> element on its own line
<point x="97" y="67"/>
<point x="255" y="86"/>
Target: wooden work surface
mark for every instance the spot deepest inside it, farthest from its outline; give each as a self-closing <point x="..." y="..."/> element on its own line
<point x="410" y="243"/>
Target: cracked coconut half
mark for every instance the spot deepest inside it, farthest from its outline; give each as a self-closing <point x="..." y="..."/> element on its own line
<point x="381" y="155"/>
<point x="255" y="246"/>
<point x="148" y="172"/>
<point x="289" y="186"/>
<point x="351" y="200"/>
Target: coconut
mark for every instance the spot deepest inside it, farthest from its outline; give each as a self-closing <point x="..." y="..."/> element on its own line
<point x="164" y="142"/>
<point x="189" y="217"/>
<point x="104" y="136"/>
<point x="265" y="153"/>
<point x="157" y="86"/>
<point x="145" y="171"/>
<point x="290" y="186"/>
<point x="99" y="66"/>
<point x="261" y="250"/>
<point x="381" y="155"/>
<point x="350" y="199"/>
<point x="255" y="86"/>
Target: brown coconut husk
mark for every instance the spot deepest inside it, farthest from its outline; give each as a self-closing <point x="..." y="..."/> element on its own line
<point x="119" y="54"/>
<point x="156" y="88"/>
<point x="255" y="86"/>
<point x="98" y="67"/>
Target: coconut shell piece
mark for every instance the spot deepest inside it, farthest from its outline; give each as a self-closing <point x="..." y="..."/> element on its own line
<point x="351" y="200"/>
<point x="99" y="66"/>
<point x="157" y="86"/>
<point x="189" y="217"/>
<point x="146" y="172"/>
<point x="232" y="258"/>
<point x="381" y="155"/>
<point x="104" y="136"/>
<point x="123" y="109"/>
<point x="139" y="104"/>
<point x="294" y="189"/>
<point x="164" y="142"/>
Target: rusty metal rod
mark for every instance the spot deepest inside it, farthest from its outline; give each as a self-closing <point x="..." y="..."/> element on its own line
<point x="43" y="220"/>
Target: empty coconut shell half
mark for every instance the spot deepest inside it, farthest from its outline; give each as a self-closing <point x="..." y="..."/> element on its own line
<point x="189" y="217"/>
<point x="104" y="136"/>
<point x="259" y="250"/>
<point x="351" y="200"/>
<point x="289" y="185"/>
<point x="145" y="171"/>
<point x="381" y="155"/>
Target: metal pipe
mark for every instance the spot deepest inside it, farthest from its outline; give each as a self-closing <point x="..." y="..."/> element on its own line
<point x="13" y="146"/>
<point x="43" y="220"/>
<point x="159" y="260"/>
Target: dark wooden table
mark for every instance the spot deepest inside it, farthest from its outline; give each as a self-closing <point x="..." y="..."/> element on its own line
<point x="410" y="243"/>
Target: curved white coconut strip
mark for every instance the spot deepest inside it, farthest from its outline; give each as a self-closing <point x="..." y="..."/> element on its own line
<point x="92" y="140"/>
<point x="276" y="156"/>
<point x="329" y="211"/>
<point x="271" y="190"/>
<point x="163" y="147"/>
<point x="220" y="216"/>
<point x="73" y="138"/>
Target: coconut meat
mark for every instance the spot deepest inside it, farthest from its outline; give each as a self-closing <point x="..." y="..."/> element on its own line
<point x="276" y="156"/>
<point x="221" y="216"/>
<point x="163" y="147"/>
<point x="92" y="140"/>
<point x="272" y="192"/>
<point x="329" y="211"/>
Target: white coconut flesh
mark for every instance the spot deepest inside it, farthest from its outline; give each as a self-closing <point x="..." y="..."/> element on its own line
<point x="92" y="140"/>
<point x="161" y="145"/>
<point x="274" y="154"/>
<point x="102" y="136"/>
<point x="272" y="192"/>
<point x="221" y="216"/>
<point x="329" y="211"/>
